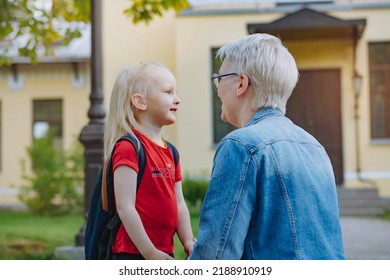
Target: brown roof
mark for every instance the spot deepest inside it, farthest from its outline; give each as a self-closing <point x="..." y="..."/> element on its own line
<point x="309" y="24"/>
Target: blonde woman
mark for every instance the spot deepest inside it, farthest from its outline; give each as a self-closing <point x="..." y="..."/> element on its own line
<point x="272" y="193"/>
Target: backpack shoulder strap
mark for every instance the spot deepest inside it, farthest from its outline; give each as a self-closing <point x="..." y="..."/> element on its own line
<point x="140" y="154"/>
<point x="108" y="167"/>
<point x="104" y="187"/>
<point x="174" y="151"/>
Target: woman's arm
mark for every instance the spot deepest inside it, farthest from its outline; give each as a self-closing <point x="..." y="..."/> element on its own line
<point x="228" y="205"/>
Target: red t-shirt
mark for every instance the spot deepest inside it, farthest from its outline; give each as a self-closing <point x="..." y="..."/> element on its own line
<point x="156" y="199"/>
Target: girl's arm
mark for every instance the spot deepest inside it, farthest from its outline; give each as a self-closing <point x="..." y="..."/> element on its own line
<point x="184" y="229"/>
<point x="125" y="184"/>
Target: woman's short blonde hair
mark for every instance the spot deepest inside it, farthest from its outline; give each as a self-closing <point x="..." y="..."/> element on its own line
<point x="269" y="65"/>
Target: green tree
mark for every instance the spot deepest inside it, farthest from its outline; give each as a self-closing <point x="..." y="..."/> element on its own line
<point x="39" y="25"/>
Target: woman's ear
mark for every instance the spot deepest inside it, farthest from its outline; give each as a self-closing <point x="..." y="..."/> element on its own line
<point x="244" y="84"/>
<point x="137" y="100"/>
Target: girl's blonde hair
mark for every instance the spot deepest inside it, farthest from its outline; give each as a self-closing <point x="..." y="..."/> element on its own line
<point x="121" y="116"/>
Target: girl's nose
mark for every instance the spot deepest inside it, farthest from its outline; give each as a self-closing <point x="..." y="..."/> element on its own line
<point x="177" y="100"/>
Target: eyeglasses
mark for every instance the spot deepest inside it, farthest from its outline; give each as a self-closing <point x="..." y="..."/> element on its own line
<point x="216" y="78"/>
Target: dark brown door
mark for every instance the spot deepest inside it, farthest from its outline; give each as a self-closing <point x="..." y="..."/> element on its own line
<point x="315" y="106"/>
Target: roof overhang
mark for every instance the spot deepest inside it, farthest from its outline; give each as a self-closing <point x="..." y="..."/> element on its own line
<point x="77" y="51"/>
<point x="310" y="24"/>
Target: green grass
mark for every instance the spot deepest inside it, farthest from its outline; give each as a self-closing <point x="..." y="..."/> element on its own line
<point x="27" y="237"/>
<point x="24" y="236"/>
<point x="386" y="215"/>
<point x="194" y="213"/>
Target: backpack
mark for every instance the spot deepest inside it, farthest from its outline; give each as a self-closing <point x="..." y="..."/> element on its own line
<point x="103" y="222"/>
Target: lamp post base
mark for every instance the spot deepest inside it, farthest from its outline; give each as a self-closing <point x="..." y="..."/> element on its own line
<point x="92" y="138"/>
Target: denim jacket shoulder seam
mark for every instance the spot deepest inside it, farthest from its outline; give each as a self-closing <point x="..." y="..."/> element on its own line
<point x="287" y="202"/>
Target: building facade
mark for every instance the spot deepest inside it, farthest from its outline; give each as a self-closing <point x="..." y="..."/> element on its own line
<point x="342" y="97"/>
<point x="33" y="98"/>
<point x="342" y="49"/>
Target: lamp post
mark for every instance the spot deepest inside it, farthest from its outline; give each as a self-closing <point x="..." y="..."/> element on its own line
<point x="357" y="87"/>
<point x="357" y="84"/>
<point x="91" y="135"/>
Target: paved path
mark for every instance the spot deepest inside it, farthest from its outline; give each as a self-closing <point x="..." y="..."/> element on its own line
<point x="366" y="238"/>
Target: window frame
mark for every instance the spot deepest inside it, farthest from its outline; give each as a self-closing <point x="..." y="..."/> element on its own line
<point x="384" y="71"/>
<point x="53" y="122"/>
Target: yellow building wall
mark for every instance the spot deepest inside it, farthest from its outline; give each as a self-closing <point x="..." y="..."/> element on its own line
<point x="46" y="81"/>
<point x="375" y="158"/>
<point x="196" y="35"/>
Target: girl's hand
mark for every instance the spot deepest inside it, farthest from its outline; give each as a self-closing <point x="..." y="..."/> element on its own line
<point x="189" y="246"/>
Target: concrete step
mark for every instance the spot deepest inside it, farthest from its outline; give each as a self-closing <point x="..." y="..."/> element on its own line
<point x="361" y="202"/>
<point x="361" y="212"/>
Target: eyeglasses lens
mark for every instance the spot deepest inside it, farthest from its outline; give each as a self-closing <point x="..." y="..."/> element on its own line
<point x="216" y="83"/>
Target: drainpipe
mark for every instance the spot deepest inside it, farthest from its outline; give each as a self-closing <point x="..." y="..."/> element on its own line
<point x="357" y="86"/>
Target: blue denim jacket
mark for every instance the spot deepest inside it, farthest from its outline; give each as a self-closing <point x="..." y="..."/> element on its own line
<point x="272" y="195"/>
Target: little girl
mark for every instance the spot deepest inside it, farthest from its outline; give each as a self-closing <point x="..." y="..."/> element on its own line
<point x="144" y="100"/>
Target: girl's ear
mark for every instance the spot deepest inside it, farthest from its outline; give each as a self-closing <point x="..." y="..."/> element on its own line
<point x="138" y="102"/>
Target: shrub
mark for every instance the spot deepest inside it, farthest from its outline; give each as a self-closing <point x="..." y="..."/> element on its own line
<point x="194" y="189"/>
<point x="55" y="184"/>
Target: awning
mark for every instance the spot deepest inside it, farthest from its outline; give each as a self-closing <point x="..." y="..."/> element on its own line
<point x="310" y="24"/>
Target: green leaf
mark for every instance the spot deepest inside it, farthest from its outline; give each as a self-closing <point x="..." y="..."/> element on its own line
<point x="146" y="10"/>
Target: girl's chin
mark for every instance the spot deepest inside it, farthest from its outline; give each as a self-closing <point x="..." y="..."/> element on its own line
<point x="170" y="121"/>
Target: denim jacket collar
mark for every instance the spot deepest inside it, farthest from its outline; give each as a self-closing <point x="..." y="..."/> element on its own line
<point x="263" y="113"/>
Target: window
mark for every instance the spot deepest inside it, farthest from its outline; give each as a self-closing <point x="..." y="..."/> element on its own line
<point x="220" y="128"/>
<point x="379" y="56"/>
<point x="47" y="114"/>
